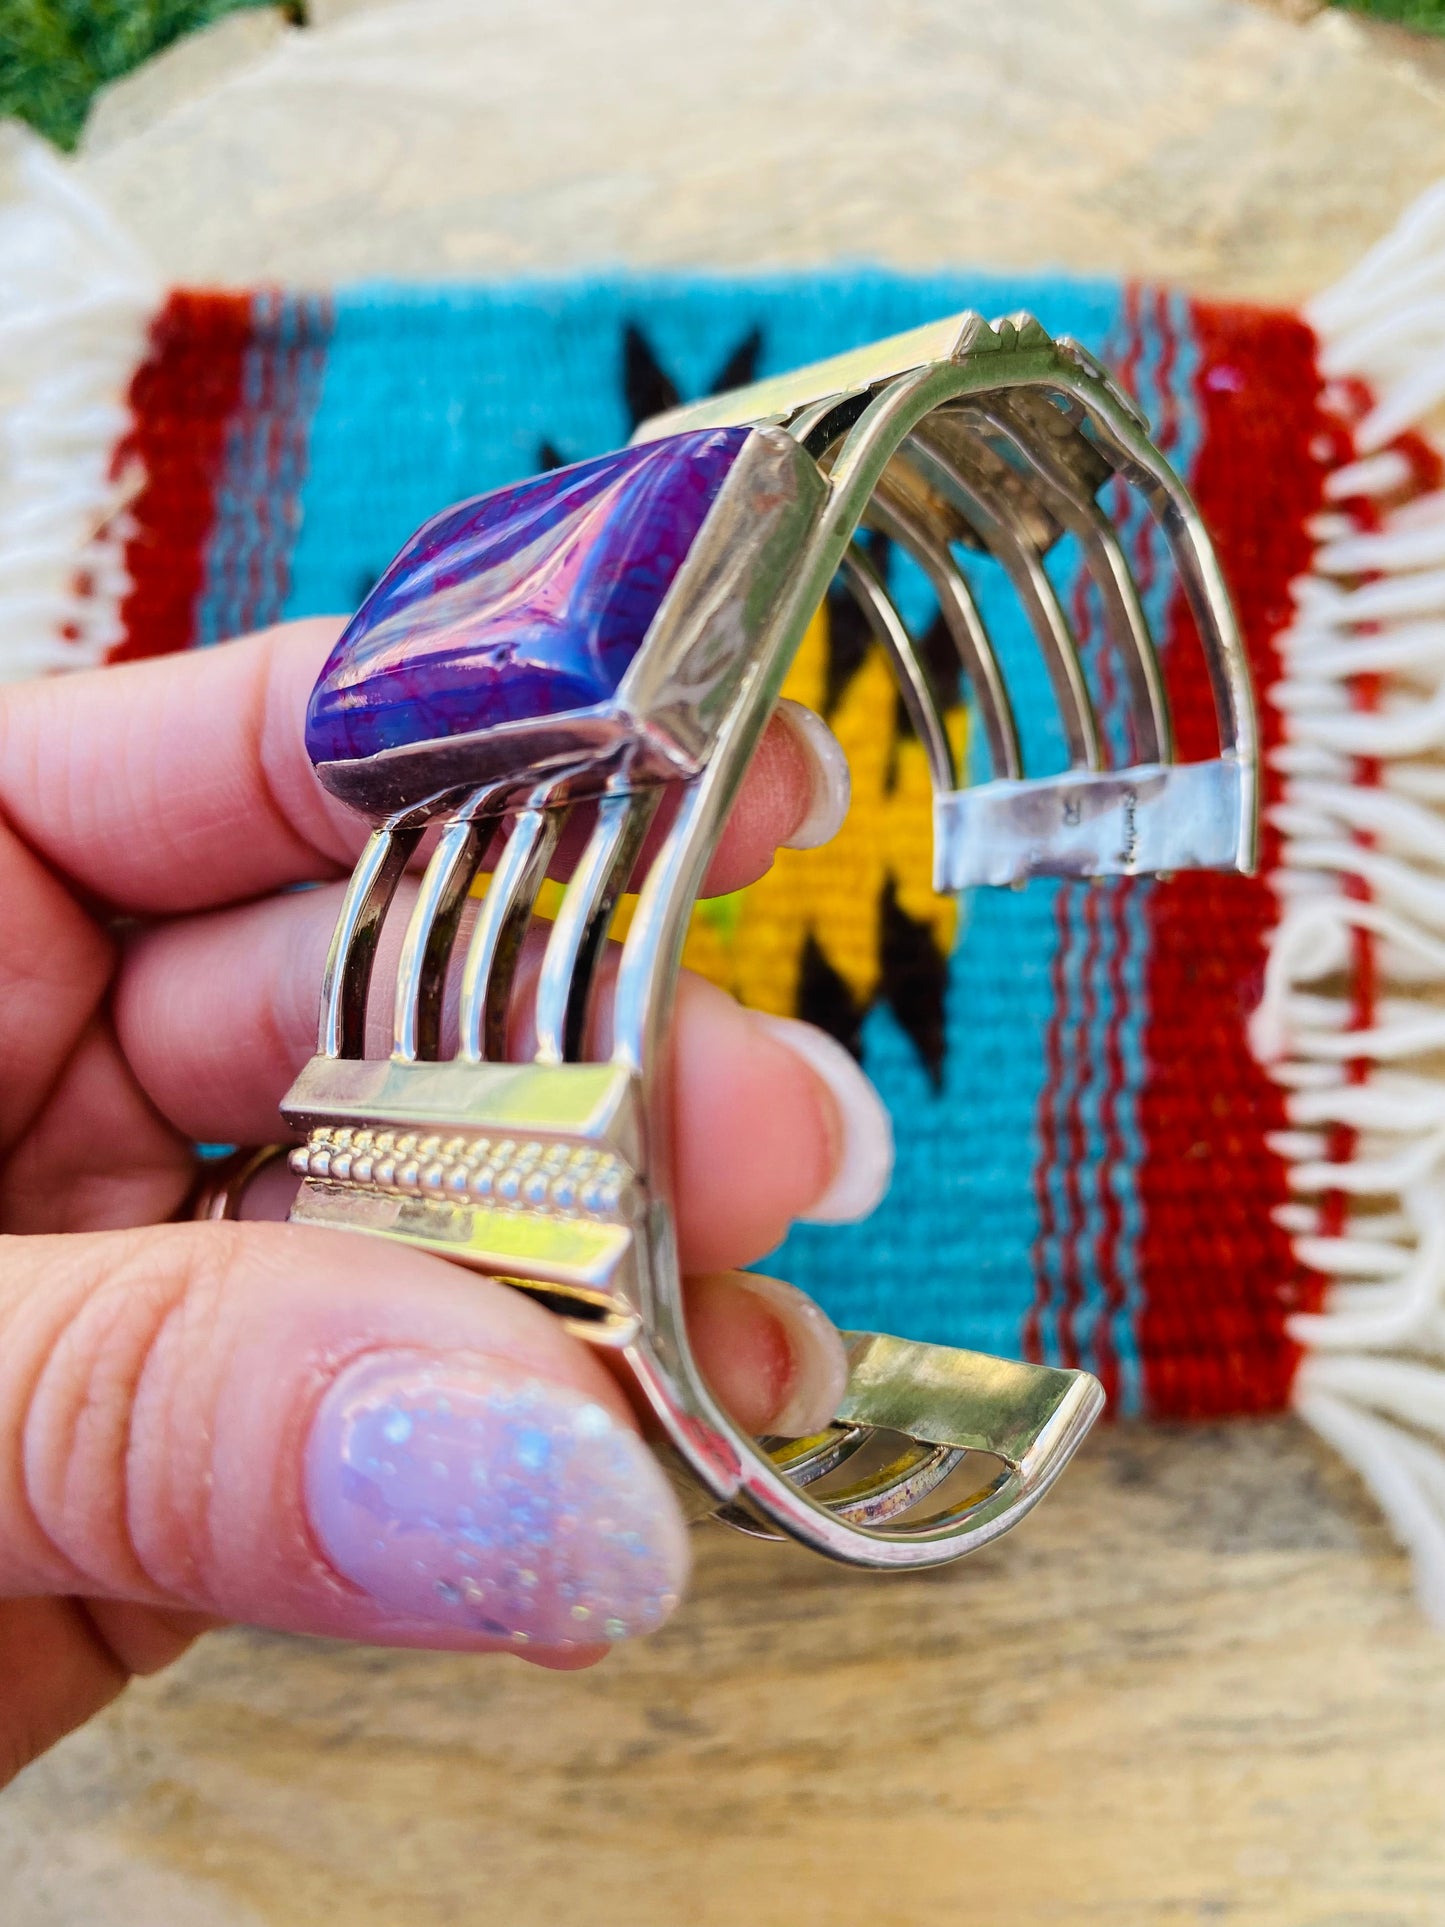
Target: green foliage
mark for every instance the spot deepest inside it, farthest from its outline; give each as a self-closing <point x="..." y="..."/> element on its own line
<point x="55" y="54"/>
<point x="1427" y="15"/>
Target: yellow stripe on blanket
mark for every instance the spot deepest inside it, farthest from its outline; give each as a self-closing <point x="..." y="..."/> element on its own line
<point x="752" y="942"/>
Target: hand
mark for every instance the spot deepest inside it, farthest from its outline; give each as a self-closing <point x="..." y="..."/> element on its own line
<point x="303" y="1429"/>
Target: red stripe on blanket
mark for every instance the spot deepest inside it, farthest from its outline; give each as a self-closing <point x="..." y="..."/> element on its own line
<point x="183" y="399"/>
<point x="1219" y="1286"/>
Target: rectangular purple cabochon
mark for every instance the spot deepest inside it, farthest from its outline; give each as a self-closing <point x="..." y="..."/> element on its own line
<point x="526" y="603"/>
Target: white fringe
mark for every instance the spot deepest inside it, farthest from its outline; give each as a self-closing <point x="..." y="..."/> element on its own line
<point x="1364" y="864"/>
<point x="75" y="302"/>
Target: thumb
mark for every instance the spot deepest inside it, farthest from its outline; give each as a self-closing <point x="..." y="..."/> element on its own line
<point x="309" y="1431"/>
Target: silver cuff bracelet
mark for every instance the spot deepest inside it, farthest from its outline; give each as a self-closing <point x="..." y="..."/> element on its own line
<point x="578" y="645"/>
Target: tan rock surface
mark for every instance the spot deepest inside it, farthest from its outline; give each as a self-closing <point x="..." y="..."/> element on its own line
<point x="1212" y="143"/>
<point x="1193" y="1688"/>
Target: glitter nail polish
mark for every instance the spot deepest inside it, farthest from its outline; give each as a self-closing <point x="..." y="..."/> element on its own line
<point x="469" y="1494"/>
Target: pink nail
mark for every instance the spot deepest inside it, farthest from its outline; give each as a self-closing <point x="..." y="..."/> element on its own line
<point x="469" y="1494"/>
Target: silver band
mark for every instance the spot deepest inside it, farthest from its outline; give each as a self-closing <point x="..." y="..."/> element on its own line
<point x="555" y="1174"/>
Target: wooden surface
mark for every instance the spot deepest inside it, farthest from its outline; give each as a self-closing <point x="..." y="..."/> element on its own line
<point x="1193" y="1688"/>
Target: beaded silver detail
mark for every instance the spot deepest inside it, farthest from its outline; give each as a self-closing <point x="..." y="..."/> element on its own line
<point x="530" y="1175"/>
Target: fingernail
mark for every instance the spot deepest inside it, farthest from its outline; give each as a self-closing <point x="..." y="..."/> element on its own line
<point x="819" y="1359"/>
<point x="863" y="1154"/>
<point x="470" y="1495"/>
<point x="831" y="786"/>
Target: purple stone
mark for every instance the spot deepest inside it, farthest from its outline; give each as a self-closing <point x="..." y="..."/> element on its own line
<point x="527" y="603"/>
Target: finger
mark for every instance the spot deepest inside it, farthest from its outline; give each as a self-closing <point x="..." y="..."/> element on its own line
<point x="183" y="781"/>
<point x="796" y="794"/>
<point x="96" y="1156"/>
<point x="318" y="1433"/>
<point x="62" y="1660"/>
<point x="773" y="1121"/>
<point x="56" y="1671"/>
<point x="145" y="1639"/>
<point x="772" y="1356"/>
<point x="54" y="968"/>
<point x="179" y="780"/>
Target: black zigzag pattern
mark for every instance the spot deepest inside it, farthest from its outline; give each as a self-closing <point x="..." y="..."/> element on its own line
<point x="648" y="389"/>
<point x="913" y="971"/>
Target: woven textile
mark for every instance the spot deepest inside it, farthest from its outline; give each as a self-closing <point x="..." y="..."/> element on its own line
<point x="1084" y="1174"/>
<point x="1188" y="1132"/>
